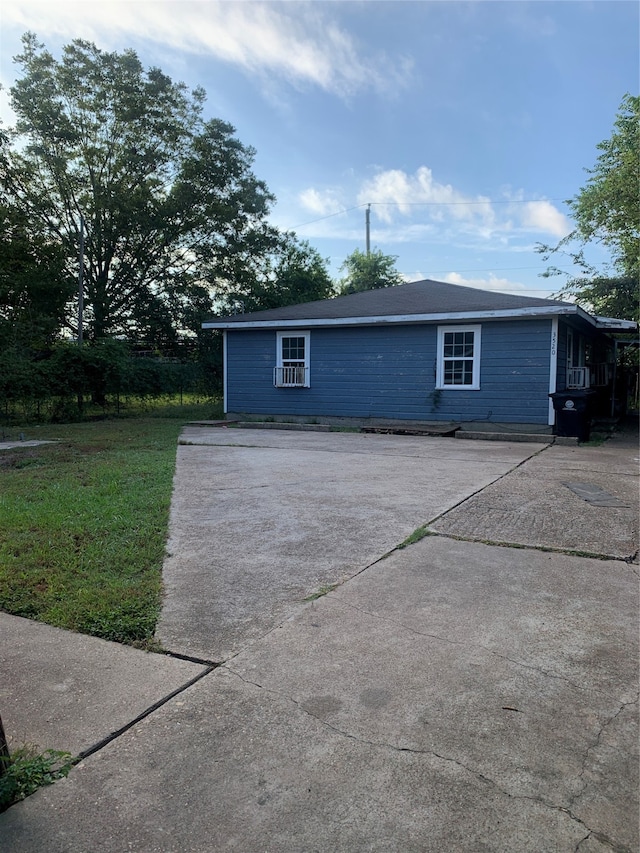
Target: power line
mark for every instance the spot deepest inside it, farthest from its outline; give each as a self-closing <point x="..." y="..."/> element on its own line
<point x="329" y="216"/>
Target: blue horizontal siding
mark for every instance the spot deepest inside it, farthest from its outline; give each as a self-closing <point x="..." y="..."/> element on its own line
<point x="389" y="372"/>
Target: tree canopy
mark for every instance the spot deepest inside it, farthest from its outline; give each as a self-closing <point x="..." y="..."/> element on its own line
<point x="368" y="272"/>
<point x="34" y="288"/>
<point x="606" y="211"/>
<point x="291" y="272"/>
<point x="172" y="214"/>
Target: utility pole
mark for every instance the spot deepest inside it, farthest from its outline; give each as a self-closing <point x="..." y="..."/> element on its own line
<point x="368" y="229"/>
<point x="80" y="282"/>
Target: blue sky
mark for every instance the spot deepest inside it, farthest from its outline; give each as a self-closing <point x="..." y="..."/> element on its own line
<point x="465" y="125"/>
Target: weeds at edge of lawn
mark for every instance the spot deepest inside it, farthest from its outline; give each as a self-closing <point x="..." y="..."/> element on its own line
<point x="83" y="527"/>
<point x="28" y="769"/>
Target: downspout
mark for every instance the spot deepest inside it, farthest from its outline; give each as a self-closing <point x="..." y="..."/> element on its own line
<point x="553" y="368"/>
<point x="225" y="407"/>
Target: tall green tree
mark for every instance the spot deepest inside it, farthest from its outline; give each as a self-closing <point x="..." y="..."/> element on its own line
<point x="291" y="272"/>
<point x="34" y="288"/>
<point x="170" y="204"/>
<point x="606" y="211"/>
<point x="368" y="272"/>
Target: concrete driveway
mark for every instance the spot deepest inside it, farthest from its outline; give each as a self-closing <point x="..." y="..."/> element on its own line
<point x="474" y="691"/>
<point x="261" y="519"/>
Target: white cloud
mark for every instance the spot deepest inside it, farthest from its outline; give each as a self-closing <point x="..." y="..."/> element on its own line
<point x="501" y="285"/>
<point x="395" y="189"/>
<point x="543" y="216"/>
<point x="298" y="42"/>
<point x="422" y="198"/>
<point x="321" y="203"/>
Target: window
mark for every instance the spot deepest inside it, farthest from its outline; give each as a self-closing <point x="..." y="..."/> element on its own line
<point x="458" y="364"/>
<point x="292" y="360"/>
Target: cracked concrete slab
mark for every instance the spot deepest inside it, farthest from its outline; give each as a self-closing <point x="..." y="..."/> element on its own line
<point x="572" y="618"/>
<point x="260" y="520"/>
<point x="533" y="507"/>
<point x="602" y="798"/>
<point x="521" y="666"/>
<point x="453" y="697"/>
<point x="281" y="780"/>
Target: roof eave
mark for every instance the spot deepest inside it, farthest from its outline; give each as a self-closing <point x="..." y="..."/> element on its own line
<point x="612" y="324"/>
<point x="403" y="319"/>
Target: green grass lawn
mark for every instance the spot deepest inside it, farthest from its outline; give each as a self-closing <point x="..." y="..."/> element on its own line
<point x="83" y="524"/>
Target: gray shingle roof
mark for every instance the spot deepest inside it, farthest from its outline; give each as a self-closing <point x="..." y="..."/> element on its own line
<point x="417" y="297"/>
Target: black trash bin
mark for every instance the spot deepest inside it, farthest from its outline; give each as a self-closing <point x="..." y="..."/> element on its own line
<point x="573" y="412"/>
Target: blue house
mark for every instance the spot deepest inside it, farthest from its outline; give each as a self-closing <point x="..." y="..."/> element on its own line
<point x="423" y="351"/>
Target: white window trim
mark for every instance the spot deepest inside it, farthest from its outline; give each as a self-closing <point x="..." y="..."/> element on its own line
<point x="295" y="333"/>
<point x="553" y="369"/>
<point x="475" y="385"/>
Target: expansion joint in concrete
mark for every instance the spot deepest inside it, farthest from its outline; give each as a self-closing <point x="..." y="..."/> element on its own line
<point x="482" y="488"/>
<point x="143" y="715"/>
<point x="545" y="549"/>
<point x="213" y="664"/>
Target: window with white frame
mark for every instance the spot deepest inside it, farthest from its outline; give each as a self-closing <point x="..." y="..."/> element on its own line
<point x="292" y="360"/>
<point x="458" y="362"/>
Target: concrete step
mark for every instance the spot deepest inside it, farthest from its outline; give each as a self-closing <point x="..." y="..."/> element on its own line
<point x="483" y="435"/>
